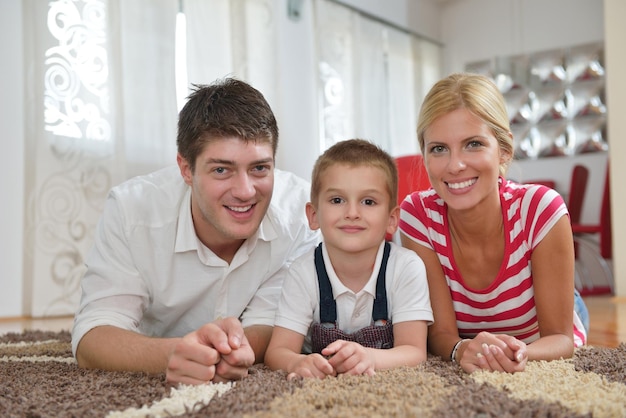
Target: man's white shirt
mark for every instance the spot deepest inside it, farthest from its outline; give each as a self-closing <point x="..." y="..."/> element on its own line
<point x="148" y="272"/>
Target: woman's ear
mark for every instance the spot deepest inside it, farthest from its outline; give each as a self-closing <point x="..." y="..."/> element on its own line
<point x="505" y="155"/>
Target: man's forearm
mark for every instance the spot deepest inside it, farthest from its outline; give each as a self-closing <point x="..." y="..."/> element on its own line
<point x="112" y="348"/>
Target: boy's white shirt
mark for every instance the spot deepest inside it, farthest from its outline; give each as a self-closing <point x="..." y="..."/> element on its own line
<point x="407" y="294"/>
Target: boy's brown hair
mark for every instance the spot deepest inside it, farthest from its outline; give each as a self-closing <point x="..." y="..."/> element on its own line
<point x="356" y="152"/>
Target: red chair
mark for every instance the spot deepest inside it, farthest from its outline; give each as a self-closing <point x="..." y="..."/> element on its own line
<point x="602" y="251"/>
<point x="412" y="175"/>
<point x="577" y="191"/>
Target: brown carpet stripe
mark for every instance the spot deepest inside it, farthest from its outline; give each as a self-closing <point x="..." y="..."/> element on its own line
<point x="593" y="383"/>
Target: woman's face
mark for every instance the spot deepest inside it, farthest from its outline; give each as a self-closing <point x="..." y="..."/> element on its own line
<point x="463" y="158"/>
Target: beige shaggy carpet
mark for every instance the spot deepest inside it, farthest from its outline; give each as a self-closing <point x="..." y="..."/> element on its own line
<point x="39" y="378"/>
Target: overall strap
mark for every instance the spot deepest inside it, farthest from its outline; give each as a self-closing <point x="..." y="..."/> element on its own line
<point x="328" y="307"/>
<point x="380" y="303"/>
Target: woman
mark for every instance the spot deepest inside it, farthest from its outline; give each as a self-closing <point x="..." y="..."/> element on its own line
<point x="499" y="255"/>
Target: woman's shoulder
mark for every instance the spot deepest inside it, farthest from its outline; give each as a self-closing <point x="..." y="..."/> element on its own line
<point x="513" y="191"/>
<point x="423" y="199"/>
<point x="531" y="202"/>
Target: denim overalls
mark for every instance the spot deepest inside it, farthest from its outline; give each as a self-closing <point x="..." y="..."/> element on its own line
<point x="326" y="332"/>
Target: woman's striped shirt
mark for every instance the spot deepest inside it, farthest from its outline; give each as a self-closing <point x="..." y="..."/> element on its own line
<point x="507" y="305"/>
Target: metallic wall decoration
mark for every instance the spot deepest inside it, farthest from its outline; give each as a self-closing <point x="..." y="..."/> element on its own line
<point x="555" y="99"/>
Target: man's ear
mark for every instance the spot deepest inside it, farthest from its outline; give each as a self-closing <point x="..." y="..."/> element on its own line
<point x="311" y="215"/>
<point x="185" y="168"/>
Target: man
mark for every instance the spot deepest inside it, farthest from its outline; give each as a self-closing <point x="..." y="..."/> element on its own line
<point x="188" y="262"/>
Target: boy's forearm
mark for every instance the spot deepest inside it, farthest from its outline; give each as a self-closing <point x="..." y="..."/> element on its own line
<point x="403" y="355"/>
<point x="282" y="359"/>
<point x="112" y="348"/>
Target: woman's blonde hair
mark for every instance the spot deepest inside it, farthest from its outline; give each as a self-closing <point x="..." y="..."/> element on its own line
<point x="479" y="95"/>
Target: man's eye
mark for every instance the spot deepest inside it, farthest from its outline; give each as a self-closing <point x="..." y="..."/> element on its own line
<point x="219" y="170"/>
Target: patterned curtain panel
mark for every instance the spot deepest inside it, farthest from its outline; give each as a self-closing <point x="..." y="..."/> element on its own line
<point x="72" y="133"/>
<point x="101" y="107"/>
<point x="372" y="78"/>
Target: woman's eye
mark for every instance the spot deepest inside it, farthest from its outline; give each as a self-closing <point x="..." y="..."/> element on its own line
<point x="474" y="144"/>
<point x="437" y="149"/>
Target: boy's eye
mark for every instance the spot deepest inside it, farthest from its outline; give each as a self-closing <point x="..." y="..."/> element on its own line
<point x="336" y="200"/>
<point x="369" y="202"/>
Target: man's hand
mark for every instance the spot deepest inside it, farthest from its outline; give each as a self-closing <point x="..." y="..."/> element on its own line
<point x="218" y="351"/>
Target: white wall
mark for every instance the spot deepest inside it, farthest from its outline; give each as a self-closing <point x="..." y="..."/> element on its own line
<point x="12" y="167"/>
<point x="615" y="11"/>
<point x="475" y="30"/>
<point x="420" y="16"/>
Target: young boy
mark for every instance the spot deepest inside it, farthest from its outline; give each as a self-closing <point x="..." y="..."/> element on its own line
<point x="357" y="302"/>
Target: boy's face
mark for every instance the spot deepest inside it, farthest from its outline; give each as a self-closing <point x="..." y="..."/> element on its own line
<point x="231" y="190"/>
<point x="352" y="210"/>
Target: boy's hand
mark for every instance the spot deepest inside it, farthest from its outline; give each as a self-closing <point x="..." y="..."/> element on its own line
<point x="352" y="358"/>
<point x="312" y="365"/>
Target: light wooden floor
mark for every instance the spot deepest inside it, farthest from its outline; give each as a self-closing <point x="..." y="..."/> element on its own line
<point x="607" y="318"/>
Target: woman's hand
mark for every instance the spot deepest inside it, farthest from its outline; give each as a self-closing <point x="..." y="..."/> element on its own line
<point x="494" y="352"/>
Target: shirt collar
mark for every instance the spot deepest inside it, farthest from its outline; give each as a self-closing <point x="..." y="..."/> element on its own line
<point x="339" y="288"/>
<point x="187" y="240"/>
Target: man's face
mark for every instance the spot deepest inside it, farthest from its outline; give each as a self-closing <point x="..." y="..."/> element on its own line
<point x="231" y="190"/>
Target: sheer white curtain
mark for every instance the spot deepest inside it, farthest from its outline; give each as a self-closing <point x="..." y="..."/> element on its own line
<point x="233" y="38"/>
<point x="372" y="77"/>
<point x="101" y="107"/>
<point x="142" y="34"/>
